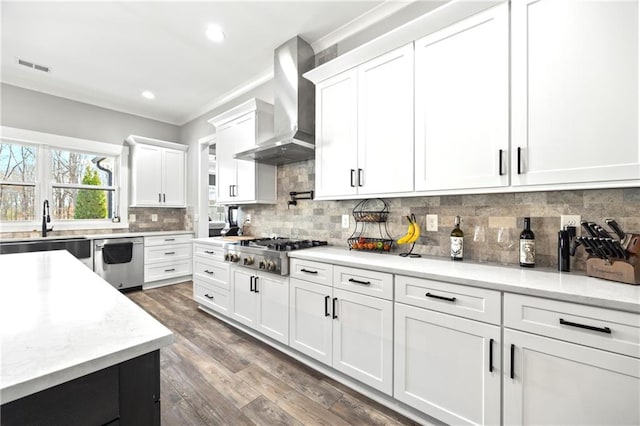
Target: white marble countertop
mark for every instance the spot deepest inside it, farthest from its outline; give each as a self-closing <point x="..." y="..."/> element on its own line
<point x="60" y="321"/>
<point x="573" y="287"/>
<point x="98" y="236"/>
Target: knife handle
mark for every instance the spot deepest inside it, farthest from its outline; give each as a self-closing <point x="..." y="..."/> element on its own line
<point x="586" y="227"/>
<point x="615" y="228"/>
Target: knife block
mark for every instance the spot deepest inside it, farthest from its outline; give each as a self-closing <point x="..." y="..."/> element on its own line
<point x="624" y="271"/>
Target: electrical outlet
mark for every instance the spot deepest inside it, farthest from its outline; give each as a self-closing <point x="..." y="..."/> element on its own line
<point x="432" y="222"/>
<point x="247" y="219"/>
<point x="132" y="217"/>
<point x="345" y="220"/>
<point x="570" y="220"/>
<point x="154" y="218"/>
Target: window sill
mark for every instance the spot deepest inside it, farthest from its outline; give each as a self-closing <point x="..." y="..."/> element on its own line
<point x="62" y="226"/>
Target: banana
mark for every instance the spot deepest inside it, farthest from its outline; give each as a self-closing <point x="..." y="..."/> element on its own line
<point x="409" y="234"/>
<point x="416" y="233"/>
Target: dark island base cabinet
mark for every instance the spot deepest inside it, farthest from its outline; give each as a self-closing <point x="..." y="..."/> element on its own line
<point x="124" y="394"/>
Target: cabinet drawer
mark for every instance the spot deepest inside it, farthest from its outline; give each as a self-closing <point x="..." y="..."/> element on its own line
<point x="602" y="328"/>
<point x="308" y="270"/>
<point x="211" y="297"/>
<point x="167" y="239"/>
<point x="372" y="283"/>
<point x="207" y="251"/>
<point x="469" y="302"/>
<point x="164" y="270"/>
<point x="169" y="252"/>
<point x="211" y="272"/>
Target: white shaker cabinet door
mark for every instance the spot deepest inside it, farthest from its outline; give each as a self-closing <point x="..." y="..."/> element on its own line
<point x="574" y="91"/>
<point x="245" y="137"/>
<point x="272" y="317"/>
<point x="225" y="163"/>
<point x="363" y="339"/>
<point x="446" y="366"/>
<point x="462" y="104"/>
<point x="385" y="123"/>
<point x="243" y="299"/>
<point x="310" y="320"/>
<point x="148" y="175"/>
<point x="551" y="382"/>
<point x="337" y="136"/>
<point x="173" y="178"/>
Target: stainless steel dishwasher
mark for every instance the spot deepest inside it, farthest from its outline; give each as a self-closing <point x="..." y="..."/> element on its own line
<point x="120" y="261"/>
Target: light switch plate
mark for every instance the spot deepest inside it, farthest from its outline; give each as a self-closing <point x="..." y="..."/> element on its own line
<point x="345" y="220"/>
<point x="247" y="219"/>
<point x="432" y="222"/>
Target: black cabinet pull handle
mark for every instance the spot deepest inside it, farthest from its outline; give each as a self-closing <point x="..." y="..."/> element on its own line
<point x="255" y="284"/>
<point x="335" y="301"/>
<point x="512" y="373"/>
<point x="210" y="252"/>
<point x="209" y="272"/>
<point x="170" y="252"/>
<point x="519" y="162"/>
<point x="230" y="193"/>
<point x="159" y="197"/>
<point x="308" y="271"/>
<point x="251" y="283"/>
<point x="435" y="296"/>
<point x="500" y="172"/>
<point x="170" y="270"/>
<point x="353" y="185"/>
<point x="326" y="306"/>
<point x="606" y="330"/>
<point x="235" y="192"/>
<point x="490" y="355"/>
<point x="164" y="197"/>
<point x="360" y="173"/>
<point x="352" y="280"/>
<point x="208" y="296"/>
<point x="169" y="239"/>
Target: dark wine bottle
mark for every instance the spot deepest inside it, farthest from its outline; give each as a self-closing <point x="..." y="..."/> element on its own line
<point x="527" y="245"/>
<point x="457" y="241"/>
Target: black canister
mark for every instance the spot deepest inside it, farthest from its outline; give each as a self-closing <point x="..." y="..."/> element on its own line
<point x="564" y="255"/>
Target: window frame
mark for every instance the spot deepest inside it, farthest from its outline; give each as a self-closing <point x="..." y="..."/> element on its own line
<point x="44" y="184"/>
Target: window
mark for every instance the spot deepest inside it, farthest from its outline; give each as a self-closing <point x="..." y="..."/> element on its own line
<point x="18" y="173"/>
<point x="83" y="180"/>
<point x="82" y="185"/>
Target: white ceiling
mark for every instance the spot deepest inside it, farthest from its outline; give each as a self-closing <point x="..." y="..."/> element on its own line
<point x="107" y="53"/>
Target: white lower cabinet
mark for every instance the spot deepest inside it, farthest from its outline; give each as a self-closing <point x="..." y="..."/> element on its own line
<point x="211" y="278"/>
<point x="349" y="331"/>
<point x="446" y="366"/>
<point x="261" y="301"/>
<point x="549" y="381"/>
<point x="168" y="257"/>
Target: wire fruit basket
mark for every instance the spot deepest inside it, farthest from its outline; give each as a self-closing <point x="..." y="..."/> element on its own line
<point x="367" y="213"/>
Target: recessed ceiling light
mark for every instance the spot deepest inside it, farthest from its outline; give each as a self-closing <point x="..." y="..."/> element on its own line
<point x="148" y="94"/>
<point x="214" y="33"/>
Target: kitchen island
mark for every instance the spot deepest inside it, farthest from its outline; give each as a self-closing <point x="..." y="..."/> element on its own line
<point x="74" y="346"/>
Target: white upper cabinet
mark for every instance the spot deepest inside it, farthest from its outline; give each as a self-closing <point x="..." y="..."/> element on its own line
<point x="575" y="91"/>
<point x="364" y="122"/>
<point x="239" y="129"/>
<point x="462" y="104"/>
<point x="158" y="173"/>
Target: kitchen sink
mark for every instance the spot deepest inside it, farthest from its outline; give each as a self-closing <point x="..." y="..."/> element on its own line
<point x="80" y="247"/>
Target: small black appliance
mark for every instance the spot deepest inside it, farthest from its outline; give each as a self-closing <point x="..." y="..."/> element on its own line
<point x="231" y="225"/>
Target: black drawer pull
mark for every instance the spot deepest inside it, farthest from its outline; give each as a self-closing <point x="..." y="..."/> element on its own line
<point x="512" y="373"/>
<point x="208" y="296"/>
<point x="209" y="252"/>
<point x="308" y="271"/>
<point x="209" y="272"/>
<point x="606" y="330"/>
<point x="490" y="355"/>
<point x="435" y="296"/>
<point x="352" y="280"/>
<point x="169" y="239"/>
<point x="251" y="284"/>
<point x="326" y="306"/>
<point x="335" y="301"/>
<point x="170" y="270"/>
<point x="255" y="284"/>
<point x="170" y="252"/>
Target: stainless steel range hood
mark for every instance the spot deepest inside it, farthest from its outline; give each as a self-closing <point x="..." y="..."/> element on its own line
<point x="293" y="110"/>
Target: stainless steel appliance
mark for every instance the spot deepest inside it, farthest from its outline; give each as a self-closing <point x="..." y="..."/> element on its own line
<point x="119" y="261"/>
<point x="266" y="254"/>
<point x="80" y="247"/>
<point x="231" y="225"/>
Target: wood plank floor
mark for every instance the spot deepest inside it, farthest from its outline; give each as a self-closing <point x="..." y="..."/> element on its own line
<point x="214" y="374"/>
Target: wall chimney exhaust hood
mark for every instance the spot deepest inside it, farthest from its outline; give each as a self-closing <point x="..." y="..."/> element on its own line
<point x="293" y="109"/>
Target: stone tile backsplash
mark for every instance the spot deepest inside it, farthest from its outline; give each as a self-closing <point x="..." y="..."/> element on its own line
<point x="168" y="219"/>
<point x="491" y="222"/>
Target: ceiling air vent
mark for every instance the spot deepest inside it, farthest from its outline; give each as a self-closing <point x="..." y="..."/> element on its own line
<point x="33" y="66"/>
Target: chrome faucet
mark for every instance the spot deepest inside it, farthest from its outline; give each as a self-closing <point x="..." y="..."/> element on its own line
<point x="45" y="218"/>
